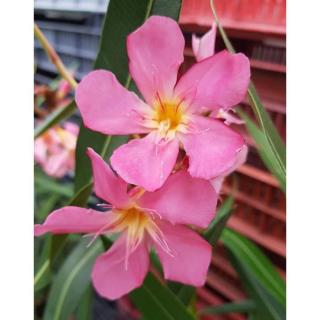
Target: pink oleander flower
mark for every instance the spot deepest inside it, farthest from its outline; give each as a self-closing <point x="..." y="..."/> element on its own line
<point x="54" y="151"/>
<point x="172" y="115"/>
<point x="143" y="220"/>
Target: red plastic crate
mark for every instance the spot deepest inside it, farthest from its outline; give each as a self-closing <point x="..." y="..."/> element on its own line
<point x="266" y="16"/>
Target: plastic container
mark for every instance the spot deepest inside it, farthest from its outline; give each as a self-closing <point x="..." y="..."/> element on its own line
<point x="76" y="44"/>
<point x="96" y="6"/>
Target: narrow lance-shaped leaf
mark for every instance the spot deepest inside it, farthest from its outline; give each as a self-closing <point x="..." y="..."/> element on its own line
<point x="244" y="306"/>
<point x="84" y="310"/>
<point x="256" y="262"/>
<point x="264" y="150"/>
<point x="213" y="233"/>
<point x="71" y="281"/>
<point x="42" y="270"/>
<point x="267" y="307"/>
<point x="59" y="241"/>
<point x="54" y="118"/>
<point x="157" y="302"/>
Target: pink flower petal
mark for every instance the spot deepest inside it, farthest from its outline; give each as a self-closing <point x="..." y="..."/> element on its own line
<point x="106" y="106"/>
<point x="229" y="118"/>
<point x="212" y="147"/>
<point x="110" y="277"/>
<point x="217" y="183"/>
<point x="146" y="162"/>
<point x="72" y="128"/>
<point x="57" y="165"/>
<point x="72" y="220"/>
<point x="204" y="47"/>
<point x="183" y="199"/>
<point x="220" y="81"/>
<point x="239" y="160"/>
<point x="190" y="258"/>
<point x="107" y="185"/>
<point x="155" y="53"/>
<point x="40" y="151"/>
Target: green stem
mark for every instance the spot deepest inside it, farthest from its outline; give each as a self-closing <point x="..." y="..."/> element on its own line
<point x="53" y="56"/>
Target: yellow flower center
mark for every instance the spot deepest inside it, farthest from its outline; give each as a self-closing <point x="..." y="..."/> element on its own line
<point x="134" y="221"/>
<point x="168" y="117"/>
<point x="137" y="222"/>
<point x="168" y="114"/>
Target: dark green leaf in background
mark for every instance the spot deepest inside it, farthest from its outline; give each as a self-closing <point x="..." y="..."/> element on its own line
<point x="42" y="265"/>
<point x="103" y="145"/>
<point x="54" y="118"/>
<point x="157" y="302"/>
<point x="71" y="281"/>
<point x="47" y="185"/>
<point x="213" y="233"/>
<point x="244" y="306"/>
<point x="255" y="262"/>
<point x="267" y="307"/>
<point x="84" y="310"/>
<point x="264" y="150"/>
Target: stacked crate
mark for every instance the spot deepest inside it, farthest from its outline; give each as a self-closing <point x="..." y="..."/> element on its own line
<point x="73" y="28"/>
<point x="256" y="28"/>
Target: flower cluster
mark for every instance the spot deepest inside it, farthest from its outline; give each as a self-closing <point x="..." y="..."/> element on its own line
<point x="153" y="197"/>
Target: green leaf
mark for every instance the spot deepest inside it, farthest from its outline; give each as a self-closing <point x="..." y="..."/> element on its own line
<point x="157" y="302"/>
<point x="59" y="241"/>
<point x="54" y="118"/>
<point x="84" y="310"/>
<point x="45" y="184"/>
<point x="71" y="281"/>
<point x="264" y="150"/>
<point x="244" y="306"/>
<point x="267" y="307"/>
<point x="186" y="294"/>
<point x="42" y="269"/>
<point x="183" y="292"/>
<point x="256" y="263"/>
<point x="277" y="146"/>
<point x="103" y="145"/>
<point x="81" y="197"/>
<point x="213" y="233"/>
<point x="47" y="207"/>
